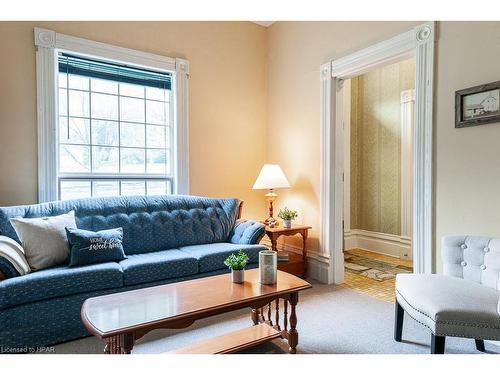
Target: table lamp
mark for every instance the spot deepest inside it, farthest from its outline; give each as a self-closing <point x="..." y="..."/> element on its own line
<point x="271" y="177"/>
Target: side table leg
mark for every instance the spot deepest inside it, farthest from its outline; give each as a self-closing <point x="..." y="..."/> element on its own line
<point x="304" y="251"/>
<point x="293" y="335"/>
<point x="274" y="244"/>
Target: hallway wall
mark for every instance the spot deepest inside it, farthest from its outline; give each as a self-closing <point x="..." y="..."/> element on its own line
<point x="375" y="125"/>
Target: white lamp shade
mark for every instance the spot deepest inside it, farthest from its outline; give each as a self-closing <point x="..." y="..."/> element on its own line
<point x="271" y="177"/>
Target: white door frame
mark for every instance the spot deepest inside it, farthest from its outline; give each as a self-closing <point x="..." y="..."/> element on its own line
<point x="418" y="43"/>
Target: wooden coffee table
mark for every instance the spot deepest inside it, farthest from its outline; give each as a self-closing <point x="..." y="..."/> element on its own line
<point x="122" y="318"/>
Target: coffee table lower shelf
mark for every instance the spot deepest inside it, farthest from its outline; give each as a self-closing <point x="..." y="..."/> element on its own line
<point x="233" y="341"/>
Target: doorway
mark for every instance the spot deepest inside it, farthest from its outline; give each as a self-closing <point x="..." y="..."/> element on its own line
<point x="378" y="125"/>
<point x="418" y="43"/>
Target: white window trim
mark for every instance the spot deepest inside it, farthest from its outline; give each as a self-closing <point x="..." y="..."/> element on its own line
<point x="48" y="43"/>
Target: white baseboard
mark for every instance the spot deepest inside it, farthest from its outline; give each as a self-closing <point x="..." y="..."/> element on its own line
<point x="317" y="269"/>
<point x="383" y="243"/>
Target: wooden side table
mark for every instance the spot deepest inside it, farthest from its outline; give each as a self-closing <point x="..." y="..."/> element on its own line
<point x="297" y="263"/>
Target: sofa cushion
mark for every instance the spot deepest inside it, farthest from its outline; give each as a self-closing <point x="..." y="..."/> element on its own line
<point x="160" y="265"/>
<point x="450" y="306"/>
<point x="211" y="257"/>
<point x="59" y="281"/>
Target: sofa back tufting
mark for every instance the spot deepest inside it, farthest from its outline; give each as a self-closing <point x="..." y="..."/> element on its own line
<point x="474" y="258"/>
<point x="149" y="223"/>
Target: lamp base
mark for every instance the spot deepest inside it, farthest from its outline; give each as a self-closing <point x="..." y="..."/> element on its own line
<point x="271" y="197"/>
<point x="271" y="221"/>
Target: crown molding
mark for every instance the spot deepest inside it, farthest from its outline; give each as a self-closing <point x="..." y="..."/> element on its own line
<point x="263" y="23"/>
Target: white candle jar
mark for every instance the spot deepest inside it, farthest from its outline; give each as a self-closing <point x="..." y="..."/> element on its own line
<point x="268" y="266"/>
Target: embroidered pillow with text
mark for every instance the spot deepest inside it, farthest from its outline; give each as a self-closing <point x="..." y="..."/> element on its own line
<point x="87" y="247"/>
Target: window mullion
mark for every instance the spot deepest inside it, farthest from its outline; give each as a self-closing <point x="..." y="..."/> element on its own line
<point x="119" y="136"/>
<point x="91" y="148"/>
<point x="145" y="141"/>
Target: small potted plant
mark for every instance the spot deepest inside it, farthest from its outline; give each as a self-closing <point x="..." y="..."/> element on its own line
<point x="287" y="216"/>
<point x="237" y="264"/>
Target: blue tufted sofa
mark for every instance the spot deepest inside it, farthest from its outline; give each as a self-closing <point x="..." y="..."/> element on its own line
<point x="166" y="239"/>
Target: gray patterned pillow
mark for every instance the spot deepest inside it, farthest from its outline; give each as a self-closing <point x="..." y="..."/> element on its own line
<point x="44" y="239"/>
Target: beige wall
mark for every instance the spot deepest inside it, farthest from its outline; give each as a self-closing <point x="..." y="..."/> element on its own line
<point x="467" y="161"/>
<point x="231" y="100"/>
<point x="375" y="140"/>
<point x="227" y="100"/>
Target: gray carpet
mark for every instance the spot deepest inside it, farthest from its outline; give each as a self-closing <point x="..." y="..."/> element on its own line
<point x="331" y="319"/>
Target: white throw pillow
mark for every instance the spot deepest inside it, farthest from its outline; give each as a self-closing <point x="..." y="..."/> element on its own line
<point x="44" y="239"/>
<point x="14" y="253"/>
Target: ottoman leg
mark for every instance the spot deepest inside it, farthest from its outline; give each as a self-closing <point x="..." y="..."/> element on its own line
<point x="480" y="345"/>
<point x="437" y="344"/>
<point x="398" y="322"/>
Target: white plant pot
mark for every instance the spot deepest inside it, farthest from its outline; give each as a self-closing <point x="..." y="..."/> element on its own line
<point x="238" y="276"/>
<point x="287" y="223"/>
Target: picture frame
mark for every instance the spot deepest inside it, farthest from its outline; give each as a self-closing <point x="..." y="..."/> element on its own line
<point x="477" y="105"/>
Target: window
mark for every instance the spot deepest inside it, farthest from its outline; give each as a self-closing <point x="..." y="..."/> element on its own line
<point x="115" y="129"/>
<point x="117" y="121"/>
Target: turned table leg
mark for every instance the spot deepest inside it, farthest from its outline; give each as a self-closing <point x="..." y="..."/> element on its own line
<point x="127" y="343"/>
<point x="120" y="344"/>
<point x="274" y="243"/>
<point x="107" y="347"/>
<point x="255" y="316"/>
<point x="304" y="250"/>
<point x="110" y="347"/>
<point x="293" y="335"/>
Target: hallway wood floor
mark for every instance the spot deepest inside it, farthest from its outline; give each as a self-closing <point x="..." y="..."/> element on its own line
<point x="383" y="290"/>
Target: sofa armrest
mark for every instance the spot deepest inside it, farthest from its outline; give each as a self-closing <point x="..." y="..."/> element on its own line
<point x="247" y="232"/>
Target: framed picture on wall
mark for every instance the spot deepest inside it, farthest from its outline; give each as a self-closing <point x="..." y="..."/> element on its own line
<point x="477" y="105"/>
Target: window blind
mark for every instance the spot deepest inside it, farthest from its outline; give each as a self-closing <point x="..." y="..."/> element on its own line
<point x="109" y="71"/>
